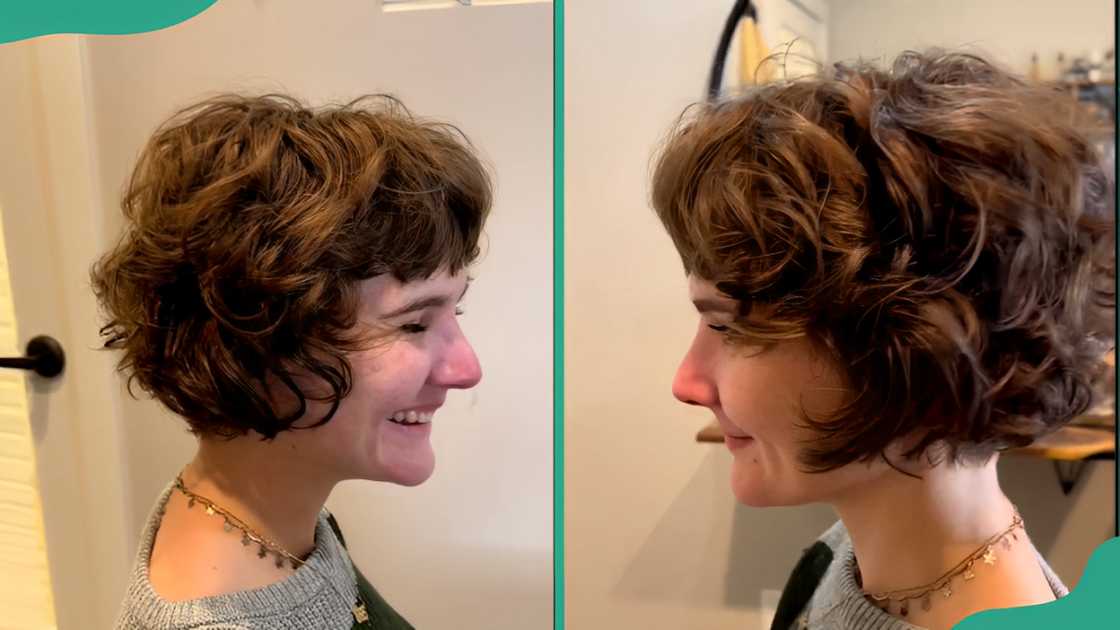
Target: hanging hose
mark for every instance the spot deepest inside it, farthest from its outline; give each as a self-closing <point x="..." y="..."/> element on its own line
<point x="742" y="8"/>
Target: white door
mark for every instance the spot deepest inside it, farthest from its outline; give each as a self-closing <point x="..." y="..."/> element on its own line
<point x="75" y="113"/>
<point x="51" y="230"/>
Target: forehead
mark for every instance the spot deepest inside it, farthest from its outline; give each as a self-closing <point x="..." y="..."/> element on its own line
<point x="699" y="287"/>
<point x="384" y="292"/>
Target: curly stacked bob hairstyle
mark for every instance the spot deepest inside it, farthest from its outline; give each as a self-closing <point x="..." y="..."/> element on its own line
<point x="250" y="222"/>
<point x="942" y="230"/>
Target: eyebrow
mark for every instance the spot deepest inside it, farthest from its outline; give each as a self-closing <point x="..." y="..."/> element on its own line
<point x="424" y="302"/>
<point x="708" y="305"/>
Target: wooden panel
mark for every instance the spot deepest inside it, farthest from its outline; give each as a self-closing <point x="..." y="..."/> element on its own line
<point x="25" y="584"/>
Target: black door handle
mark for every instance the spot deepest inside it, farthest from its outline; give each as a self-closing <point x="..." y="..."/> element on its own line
<point x="44" y="356"/>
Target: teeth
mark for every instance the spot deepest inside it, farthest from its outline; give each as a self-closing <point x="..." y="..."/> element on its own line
<point x="412" y="417"/>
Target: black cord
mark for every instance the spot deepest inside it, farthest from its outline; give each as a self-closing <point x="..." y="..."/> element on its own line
<point x="742" y="8"/>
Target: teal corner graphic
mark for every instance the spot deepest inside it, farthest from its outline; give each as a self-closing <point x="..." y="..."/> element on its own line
<point x="1090" y="605"/>
<point x="32" y="18"/>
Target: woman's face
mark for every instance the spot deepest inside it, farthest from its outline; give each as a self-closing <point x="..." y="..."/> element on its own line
<point x="381" y="429"/>
<point x="758" y="397"/>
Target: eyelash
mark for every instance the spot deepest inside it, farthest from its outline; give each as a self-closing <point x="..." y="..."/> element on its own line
<point x="718" y="328"/>
<point x="416" y="328"/>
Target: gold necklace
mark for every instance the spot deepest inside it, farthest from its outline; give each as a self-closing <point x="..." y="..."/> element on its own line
<point x="266" y="545"/>
<point x="899" y="601"/>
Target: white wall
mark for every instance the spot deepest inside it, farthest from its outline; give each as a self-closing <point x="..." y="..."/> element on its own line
<point x="1009" y="30"/>
<point x="480" y="529"/>
<point x="654" y="538"/>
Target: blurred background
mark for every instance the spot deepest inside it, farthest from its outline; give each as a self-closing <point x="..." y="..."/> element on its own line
<point x="81" y="463"/>
<point x="654" y="538"/>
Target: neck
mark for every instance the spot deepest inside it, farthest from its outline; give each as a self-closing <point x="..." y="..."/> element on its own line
<point x="907" y="532"/>
<point x="264" y="485"/>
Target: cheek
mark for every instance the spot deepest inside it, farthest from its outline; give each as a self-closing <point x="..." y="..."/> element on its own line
<point x="391" y="376"/>
<point x="759" y="398"/>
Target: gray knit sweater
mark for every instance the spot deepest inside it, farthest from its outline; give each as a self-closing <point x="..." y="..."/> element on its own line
<point x="838" y="603"/>
<point x="317" y="595"/>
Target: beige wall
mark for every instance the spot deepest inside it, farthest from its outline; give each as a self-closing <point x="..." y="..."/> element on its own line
<point x="1009" y="30"/>
<point x="480" y="530"/>
<point x="654" y="537"/>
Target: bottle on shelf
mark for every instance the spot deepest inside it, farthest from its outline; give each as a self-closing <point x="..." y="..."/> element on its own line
<point x="1035" y="73"/>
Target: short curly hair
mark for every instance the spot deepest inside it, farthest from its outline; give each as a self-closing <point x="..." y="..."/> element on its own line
<point x="250" y="221"/>
<point x="943" y="230"/>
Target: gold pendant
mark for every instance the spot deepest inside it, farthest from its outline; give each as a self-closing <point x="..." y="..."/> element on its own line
<point x="360" y="614"/>
<point x="989" y="556"/>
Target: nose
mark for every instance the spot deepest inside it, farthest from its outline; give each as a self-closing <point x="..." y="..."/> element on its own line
<point x="692" y="384"/>
<point x="458" y="368"/>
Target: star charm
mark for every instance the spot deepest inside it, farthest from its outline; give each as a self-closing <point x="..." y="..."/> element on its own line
<point x="989" y="556"/>
<point x="210" y="510"/>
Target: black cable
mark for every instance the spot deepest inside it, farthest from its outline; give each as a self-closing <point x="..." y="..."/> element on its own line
<point x="742" y="8"/>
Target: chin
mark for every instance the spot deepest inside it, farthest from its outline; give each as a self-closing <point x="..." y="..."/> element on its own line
<point x="754" y="491"/>
<point x="408" y="472"/>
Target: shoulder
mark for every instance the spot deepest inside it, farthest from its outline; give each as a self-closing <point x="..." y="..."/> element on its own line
<point x="836" y="536"/>
<point x="192" y="557"/>
<point x="817" y="560"/>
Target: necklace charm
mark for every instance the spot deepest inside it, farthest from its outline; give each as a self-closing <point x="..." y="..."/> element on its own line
<point x="989" y="556"/>
<point x="898" y="601"/>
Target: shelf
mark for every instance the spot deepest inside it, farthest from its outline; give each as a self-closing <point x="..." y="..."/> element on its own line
<point x="1073" y="442"/>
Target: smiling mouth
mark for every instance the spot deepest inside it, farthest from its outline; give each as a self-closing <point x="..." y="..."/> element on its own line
<point x="411" y="417"/>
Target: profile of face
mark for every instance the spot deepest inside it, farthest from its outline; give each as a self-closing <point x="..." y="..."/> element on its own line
<point x="759" y="398"/>
<point x="382" y="429"/>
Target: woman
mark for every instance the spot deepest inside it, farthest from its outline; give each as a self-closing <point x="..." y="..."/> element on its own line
<point x="288" y="283"/>
<point x="899" y="274"/>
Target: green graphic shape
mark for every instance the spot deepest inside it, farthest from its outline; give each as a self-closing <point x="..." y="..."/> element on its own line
<point x="32" y="18"/>
<point x="1090" y="605"/>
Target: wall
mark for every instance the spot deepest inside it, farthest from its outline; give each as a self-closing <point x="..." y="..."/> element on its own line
<point x="1009" y="30"/>
<point x="654" y="538"/>
<point x="480" y="530"/>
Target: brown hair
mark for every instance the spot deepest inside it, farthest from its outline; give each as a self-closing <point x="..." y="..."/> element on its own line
<point x="249" y="223"/>
<point x="941" y="229"/>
